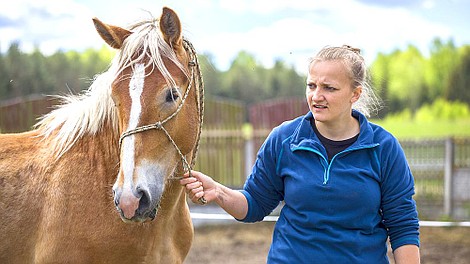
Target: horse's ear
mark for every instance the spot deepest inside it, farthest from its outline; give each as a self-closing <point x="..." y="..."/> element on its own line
<point x="114" y="36"/>
<point x="170" y="26"/>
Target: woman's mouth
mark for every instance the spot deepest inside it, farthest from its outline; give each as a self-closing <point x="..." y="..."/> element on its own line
<point x="317" y="106"/>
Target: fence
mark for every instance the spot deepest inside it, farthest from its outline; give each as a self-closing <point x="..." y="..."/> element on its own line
<point x="19" y="114"/>
<point x="441" y="167"/>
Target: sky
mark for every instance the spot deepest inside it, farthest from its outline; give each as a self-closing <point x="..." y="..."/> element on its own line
<point x="290" y="30"/>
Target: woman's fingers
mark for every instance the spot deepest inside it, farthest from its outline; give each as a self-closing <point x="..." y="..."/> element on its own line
<point x="193" y="183"/>
<point x="188" y="180"/>
<point x="196" y="194"/>
<point x="196" y="189"/>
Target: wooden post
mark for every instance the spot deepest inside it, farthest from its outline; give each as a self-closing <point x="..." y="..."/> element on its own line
<point x="448" y="171"/>
<point x="249" y="149"/>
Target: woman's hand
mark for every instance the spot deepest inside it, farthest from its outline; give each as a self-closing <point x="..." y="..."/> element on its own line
<point x="199" y="186"/>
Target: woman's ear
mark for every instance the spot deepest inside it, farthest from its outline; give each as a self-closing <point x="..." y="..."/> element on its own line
<point x="356" y="94"/>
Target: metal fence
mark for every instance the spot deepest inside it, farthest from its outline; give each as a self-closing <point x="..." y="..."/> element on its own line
<point x="440" y="168"/>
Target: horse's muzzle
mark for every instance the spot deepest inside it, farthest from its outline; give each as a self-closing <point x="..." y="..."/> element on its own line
<point x="134" y="208"/>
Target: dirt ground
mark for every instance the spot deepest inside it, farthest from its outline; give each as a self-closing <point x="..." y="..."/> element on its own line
<point x="249" y="243"/>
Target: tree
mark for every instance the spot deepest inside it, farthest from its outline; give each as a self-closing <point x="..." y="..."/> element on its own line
<point x="285" y="81"/>
<point x="458" y="86"/>
<point x="95" y="61"/>
<point x="245" y="80"/>
<point x="40" y="76"/>
<point x="211" y="76"/>
<point x="406" y="86"/>
<point x="443" y="60"/>
<point x="4" y="80"/>
<point x="17" y="69"/>
<point x="380" y="78"/>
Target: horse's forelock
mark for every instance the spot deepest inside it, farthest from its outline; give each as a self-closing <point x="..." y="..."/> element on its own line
<point x="147" y="42"/>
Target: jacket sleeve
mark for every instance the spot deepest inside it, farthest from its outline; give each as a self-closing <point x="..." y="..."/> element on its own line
<point x="400" y="216"/>
<point x="264" y="188"/>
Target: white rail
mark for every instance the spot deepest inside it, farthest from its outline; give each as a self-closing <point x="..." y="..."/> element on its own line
<point x="270" y="218"/>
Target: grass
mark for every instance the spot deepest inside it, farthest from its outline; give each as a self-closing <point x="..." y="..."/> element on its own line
<point x="411" y="129"/>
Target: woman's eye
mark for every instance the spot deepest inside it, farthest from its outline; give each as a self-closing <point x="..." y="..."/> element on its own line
<point x="329" y="88"/>
<point x="311" y="85"/>
<point x="172" y="95"/>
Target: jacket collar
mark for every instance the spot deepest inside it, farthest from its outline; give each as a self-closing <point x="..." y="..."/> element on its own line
<point x="304" y="136"/>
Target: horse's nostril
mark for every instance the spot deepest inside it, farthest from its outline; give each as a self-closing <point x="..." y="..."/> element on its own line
<point x="144" y="203"/>
<point x="115" y="198"/>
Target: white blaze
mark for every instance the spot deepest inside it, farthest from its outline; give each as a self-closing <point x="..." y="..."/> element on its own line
<point x="136" y="86"/>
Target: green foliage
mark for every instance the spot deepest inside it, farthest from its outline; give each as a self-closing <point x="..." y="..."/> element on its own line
<point x="412" y="129"/>
<point x="404" y="79"/>
<point x="244" y="80"/>
<point x="440" y="119"/>
<point x="22" y="74"/>
<point x="442" y="110"/>
<point x="458" y="86"/>
<point x="249" y="81"/>
<point x="379" y="77"/>
<point x="439" y="67"/>
<point x="405" y="73"/>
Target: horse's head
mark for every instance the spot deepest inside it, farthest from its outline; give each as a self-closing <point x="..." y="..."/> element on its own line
<point x="158" y="106"/>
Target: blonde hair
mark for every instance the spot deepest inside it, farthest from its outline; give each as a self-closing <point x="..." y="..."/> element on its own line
<point x="368" y="103"/>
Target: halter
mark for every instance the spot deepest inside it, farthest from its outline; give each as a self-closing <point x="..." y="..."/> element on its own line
<point x="159" y="124"/>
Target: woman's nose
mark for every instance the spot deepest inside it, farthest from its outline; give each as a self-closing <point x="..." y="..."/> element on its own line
<point x="317" y="95"/>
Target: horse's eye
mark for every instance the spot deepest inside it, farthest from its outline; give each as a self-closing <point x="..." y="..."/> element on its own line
<point x="171" y="95"/>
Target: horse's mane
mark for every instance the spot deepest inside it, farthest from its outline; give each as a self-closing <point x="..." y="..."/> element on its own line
<point x="87" y="112"/>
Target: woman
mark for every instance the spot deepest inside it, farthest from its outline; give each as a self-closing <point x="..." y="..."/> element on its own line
<point x="345" y="182"/>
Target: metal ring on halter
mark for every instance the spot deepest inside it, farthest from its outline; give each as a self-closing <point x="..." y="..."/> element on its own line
<point x="202" y="200"/>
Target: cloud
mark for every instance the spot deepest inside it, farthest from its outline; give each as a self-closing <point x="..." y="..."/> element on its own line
<point x="268" y="29"/>
<point x="48" y="24"/>
<point x="6" y="22"/>
<point x="295" y="36"/>
<point x="281" y="6"/>
<point x="394" y="3"/>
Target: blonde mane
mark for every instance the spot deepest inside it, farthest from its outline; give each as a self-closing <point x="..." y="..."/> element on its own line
<point x="86" y="113"/>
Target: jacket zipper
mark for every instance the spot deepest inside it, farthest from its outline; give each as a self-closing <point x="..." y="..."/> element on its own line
<point x="345" y="151"/>
<point x="326" y="173"/>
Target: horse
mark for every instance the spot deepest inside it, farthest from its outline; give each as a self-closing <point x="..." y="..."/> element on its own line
<point x="95" y="180"/>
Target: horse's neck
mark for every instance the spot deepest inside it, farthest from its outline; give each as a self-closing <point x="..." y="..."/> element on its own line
<point x="95" y="156"/>
<point x="174" y="195"/>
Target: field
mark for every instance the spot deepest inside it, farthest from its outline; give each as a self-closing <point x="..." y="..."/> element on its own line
<point x="249" y="243"/>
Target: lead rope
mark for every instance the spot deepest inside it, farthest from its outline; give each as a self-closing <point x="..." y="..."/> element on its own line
<point x="200" y="100"/>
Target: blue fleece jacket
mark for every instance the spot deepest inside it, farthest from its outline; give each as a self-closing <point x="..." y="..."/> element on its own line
<point x="337" y="212"/>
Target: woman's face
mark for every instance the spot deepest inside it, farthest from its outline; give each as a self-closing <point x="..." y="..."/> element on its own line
<point x="329" y="91"/>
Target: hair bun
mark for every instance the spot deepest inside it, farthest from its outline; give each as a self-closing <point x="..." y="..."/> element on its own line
<point x="355" y="50"/>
